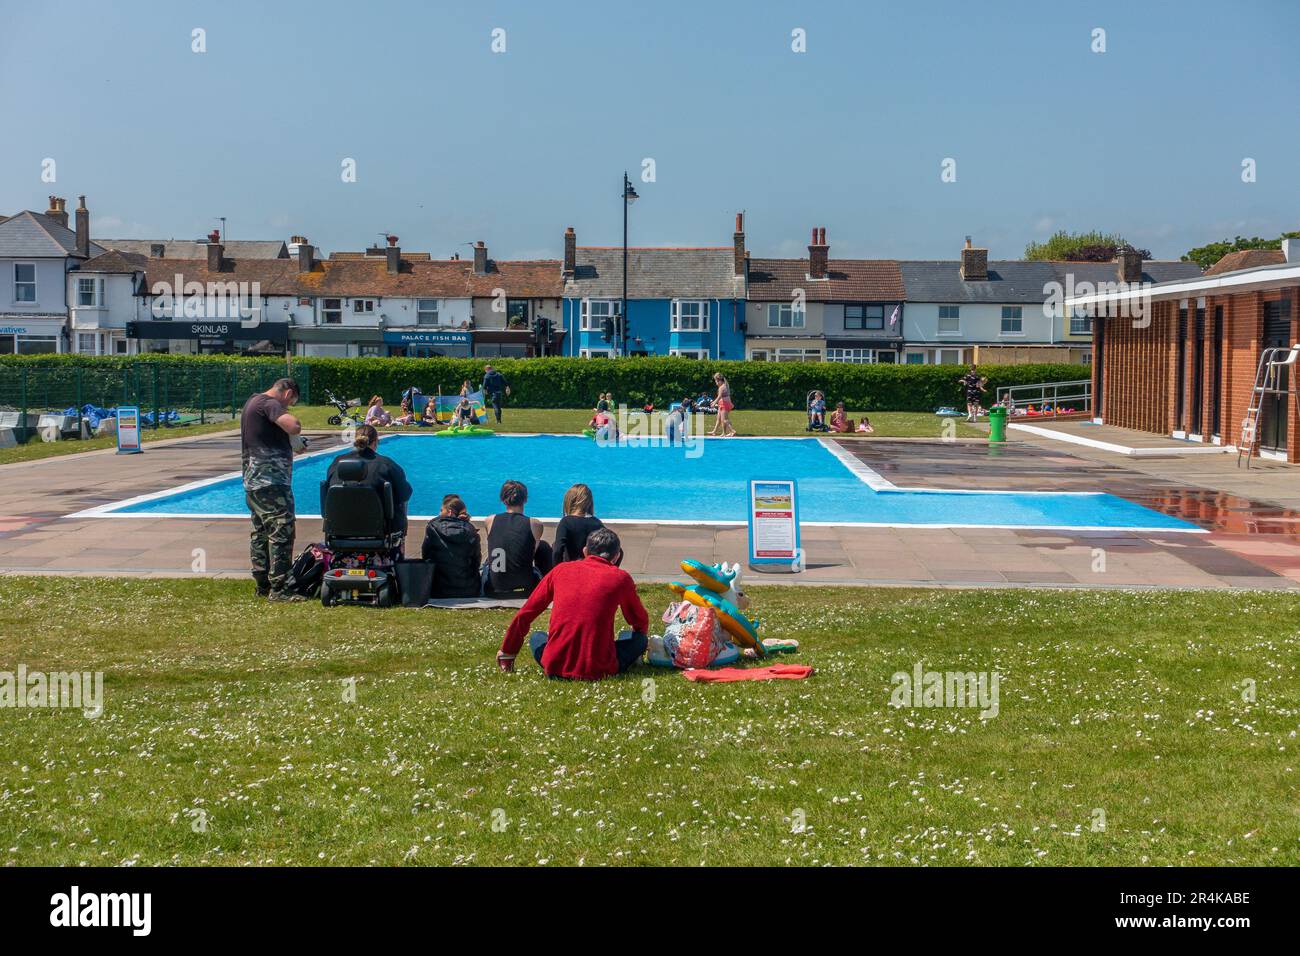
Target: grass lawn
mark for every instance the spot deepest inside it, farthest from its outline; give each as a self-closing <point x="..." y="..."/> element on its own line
<point x="887" y="425"/>
<point x="1128" y="704"/>
<point x="574" y="420"/>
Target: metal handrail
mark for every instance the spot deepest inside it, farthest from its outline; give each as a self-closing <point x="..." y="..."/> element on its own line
<point x="1048" y="393"/>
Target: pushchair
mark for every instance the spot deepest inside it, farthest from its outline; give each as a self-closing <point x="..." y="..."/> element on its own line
<point x="705" y="405"/>
<point x="363" y="537"/>
<point x="814" y="425"/>
<point x="345" y="408"/>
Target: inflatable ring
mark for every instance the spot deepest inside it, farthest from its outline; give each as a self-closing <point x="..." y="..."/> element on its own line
<point x="711" y="577"/>
<point x="729" y="616"/>
<point x="589" y="433"/>
<point x="465" y="431"/>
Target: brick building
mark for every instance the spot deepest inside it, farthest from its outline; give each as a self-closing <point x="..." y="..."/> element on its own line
<point x="1179" y="358"/>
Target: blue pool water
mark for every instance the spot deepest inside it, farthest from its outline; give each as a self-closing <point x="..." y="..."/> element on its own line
<point x="663" y="483"/>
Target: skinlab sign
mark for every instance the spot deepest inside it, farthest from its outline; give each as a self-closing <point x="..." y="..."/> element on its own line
<point x="128" y="430"/>
<point x="774" y="525"/>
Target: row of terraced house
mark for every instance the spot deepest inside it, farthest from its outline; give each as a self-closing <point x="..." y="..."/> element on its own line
<point x="66" y="292"/>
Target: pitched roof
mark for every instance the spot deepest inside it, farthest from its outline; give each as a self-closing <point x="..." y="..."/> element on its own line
<point x="1153" y="270"/>
<point x="1020" y="281"/>
<point x="848" y="280"/>
<point x="663" y="273"/>
<point x="115" y="262"/>
<point x="194" y="249"/>
<point x="351" y="278"/>
<point x="1246" y="259"/>
<point x="412" y="256"/>
<point x="525" y="279"/>
<point x="37" y="235"/>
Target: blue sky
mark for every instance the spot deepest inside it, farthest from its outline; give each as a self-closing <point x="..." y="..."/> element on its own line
<point x="455" y="143"/>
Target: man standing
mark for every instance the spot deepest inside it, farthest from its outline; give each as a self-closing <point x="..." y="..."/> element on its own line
<point x="265" y="429"/>
<point x="494" y="384"/>
<point x="580" y="644"/>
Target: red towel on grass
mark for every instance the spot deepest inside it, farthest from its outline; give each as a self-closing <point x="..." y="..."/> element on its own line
<point x="725" y="675"/>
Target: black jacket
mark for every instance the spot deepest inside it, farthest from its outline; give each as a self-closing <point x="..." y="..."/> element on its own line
<point x="452" y="546"/>
<point x="380" y="469"/>
<point x="493" y="382"/>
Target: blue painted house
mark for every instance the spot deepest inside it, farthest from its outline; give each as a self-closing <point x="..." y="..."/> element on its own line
<point x="687" y="302"/>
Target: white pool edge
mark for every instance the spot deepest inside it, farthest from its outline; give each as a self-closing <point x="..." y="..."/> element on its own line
<point x="860" y="470"/>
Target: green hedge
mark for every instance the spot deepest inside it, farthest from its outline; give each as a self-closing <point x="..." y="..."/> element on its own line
<point x="575" y="382"/>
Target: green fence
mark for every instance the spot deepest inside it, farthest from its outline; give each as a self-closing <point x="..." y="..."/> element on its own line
<point x="169" y="396"/>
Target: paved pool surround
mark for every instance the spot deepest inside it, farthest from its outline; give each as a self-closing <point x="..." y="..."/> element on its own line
<point x="1248" y="543"/>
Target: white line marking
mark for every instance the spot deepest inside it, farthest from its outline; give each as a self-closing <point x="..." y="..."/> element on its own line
<point x="1131" y="452"/>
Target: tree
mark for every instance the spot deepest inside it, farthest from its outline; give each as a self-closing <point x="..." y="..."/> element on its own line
<point x="1207" y="255"/>
<point x="1080" y="247"/>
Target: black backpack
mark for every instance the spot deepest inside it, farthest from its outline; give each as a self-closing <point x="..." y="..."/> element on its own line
<point x="307" y="572"/>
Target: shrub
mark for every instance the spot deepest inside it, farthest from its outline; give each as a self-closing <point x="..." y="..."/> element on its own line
<point x="575" y="382"/>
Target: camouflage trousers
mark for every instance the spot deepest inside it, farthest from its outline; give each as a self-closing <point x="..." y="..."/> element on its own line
<point x="271" y="541"/>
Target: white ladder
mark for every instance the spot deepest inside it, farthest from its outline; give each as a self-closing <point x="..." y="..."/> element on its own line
<point x="1266" y="379"/>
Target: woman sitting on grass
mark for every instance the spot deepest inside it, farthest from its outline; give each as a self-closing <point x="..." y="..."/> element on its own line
<point x="376" y="414"/>
<point x="578" y="522"/>
<point x="407" y="414"/>
<point x="840" y="421"/>
<point x="451" y="545"/>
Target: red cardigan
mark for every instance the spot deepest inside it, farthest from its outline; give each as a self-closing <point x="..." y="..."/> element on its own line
<point x="580" y="643"/>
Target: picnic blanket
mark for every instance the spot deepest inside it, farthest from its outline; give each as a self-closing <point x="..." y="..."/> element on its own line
<point x="724" y="675"/>
<point x="476" y="603"/>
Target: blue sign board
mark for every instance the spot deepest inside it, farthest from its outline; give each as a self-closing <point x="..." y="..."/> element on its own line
<point x="414" y="337"/>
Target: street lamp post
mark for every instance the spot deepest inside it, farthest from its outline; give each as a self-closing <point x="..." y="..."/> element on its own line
<point x="629" y="197"/>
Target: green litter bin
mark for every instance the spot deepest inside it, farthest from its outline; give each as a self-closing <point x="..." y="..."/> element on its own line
<point x="998" y="424"/>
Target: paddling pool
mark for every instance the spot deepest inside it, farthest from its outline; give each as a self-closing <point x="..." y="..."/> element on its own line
<point x="667" y="484"/>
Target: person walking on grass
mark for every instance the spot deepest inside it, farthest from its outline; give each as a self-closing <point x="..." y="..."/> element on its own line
<point x="494" y="387"/>
<point x="724" y="406"/>
<point x="973" y="384"/>
<point x="266" y="430"/>
<point x="580" y="643"/>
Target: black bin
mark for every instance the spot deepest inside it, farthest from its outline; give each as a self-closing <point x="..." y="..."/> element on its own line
<point x="414" y="581"/>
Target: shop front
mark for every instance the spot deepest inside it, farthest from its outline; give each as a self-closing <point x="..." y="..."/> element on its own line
<point x="340" y="342"/>
<point x="515" y="343"/>
<point x="785" y="349"/>
<point x="863" y="351"/>
<point x="209" y="337"/>
<point x="420" y="343"/>
<point x="20" y="335"/>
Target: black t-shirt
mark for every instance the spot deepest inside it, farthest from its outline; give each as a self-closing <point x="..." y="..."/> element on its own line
<point x="261" y="437"/>
<point x="264" y="445"/>
<point x="571" y="536"/>
<point x="972" y="383"/>
<point x="512" y="551"/>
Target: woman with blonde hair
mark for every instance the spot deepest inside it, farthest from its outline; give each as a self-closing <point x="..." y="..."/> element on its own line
<point x="724" y="406"/>
<point x="578" y="522"/>
<point x="376" y="414"/>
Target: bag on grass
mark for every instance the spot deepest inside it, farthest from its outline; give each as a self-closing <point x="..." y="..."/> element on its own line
<point x="307" y="572"/>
